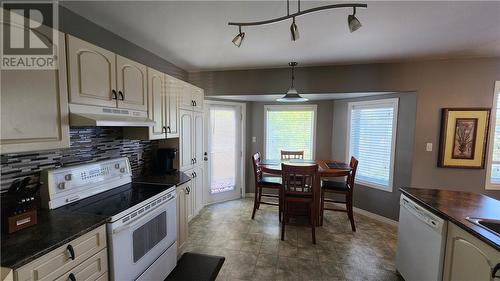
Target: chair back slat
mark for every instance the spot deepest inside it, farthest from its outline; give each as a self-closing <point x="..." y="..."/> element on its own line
<point x="286" y="155"/>
<point x="298" y="180"/>
<point x="352" y="175"/>
<point x="257" y="170"/>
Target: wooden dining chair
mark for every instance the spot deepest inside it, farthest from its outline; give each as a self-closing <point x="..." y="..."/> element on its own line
<point x="265" y="182"/>
<point x="286" y="155"/>
<point x="298" y="189"/>
<point x="340" y="187"/>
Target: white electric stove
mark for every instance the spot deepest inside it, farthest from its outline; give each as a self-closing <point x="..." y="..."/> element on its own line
<point x="142" y="229"/>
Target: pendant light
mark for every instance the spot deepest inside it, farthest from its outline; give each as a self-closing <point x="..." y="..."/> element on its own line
<point x="292" y="95"/>
<point x="238" y="39"/>
<point x="353" y="22"/>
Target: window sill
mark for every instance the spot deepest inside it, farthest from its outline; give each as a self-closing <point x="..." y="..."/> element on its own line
<point x="375" y="186"/>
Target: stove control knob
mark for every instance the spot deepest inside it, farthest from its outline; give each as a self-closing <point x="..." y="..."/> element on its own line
<point x="122" y="170"/>
<point x="117" y="166"/>
<point x="61" y="185"/>
<point x="67" y="177"/>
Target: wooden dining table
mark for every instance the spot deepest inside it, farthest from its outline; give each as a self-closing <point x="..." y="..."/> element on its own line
<point x="336" y="169"/>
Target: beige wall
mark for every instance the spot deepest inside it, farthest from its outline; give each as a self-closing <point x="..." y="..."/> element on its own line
<point x="438" y="84"/>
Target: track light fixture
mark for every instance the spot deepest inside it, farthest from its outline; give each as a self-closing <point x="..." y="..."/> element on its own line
<point x="292" y="95"/>
<point x="238" y="39"/>
<point x="294" y="31"/>
<point x="353" y="22"/>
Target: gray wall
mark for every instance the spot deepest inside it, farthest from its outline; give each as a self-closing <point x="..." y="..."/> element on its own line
<point x="255" y="127"/>
<point x="437" y="84"/>
<point x="373" y="200"/>
<point x="78" y="26"/>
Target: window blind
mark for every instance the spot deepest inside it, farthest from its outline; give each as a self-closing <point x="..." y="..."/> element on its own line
<point x="289" y="128"/>
<point x="371" y="140"/>
<point x="495" y="162"/>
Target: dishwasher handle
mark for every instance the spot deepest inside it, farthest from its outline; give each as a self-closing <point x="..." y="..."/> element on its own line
<point x="420" y="213"/>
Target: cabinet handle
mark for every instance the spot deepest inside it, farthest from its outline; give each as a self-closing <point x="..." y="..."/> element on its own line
<point x="113" y="95"/>
<point x="71" y="252"/>
<point x="194" y="103"/>
<point x="494" y="271"/>
<point x="194" y="160"/>
<point x="195" y="175"/>
<point x="121" y="94"/>
<point x="168" y="129"/>
<point x="71" y="277"/>
<point x="164" y="129"/>
<point x="188" y="190"/>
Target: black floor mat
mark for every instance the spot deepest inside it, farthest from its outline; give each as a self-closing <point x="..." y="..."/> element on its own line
<point x="196" y="267"/>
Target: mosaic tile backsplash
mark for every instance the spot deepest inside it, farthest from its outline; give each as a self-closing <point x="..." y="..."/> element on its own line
<point x="88" y="144"/>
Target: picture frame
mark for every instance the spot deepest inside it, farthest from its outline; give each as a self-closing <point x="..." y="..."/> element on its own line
<point x="463" y="137"/>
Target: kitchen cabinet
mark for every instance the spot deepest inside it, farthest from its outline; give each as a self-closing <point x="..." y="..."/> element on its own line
<point x="34" y="108"/>
<point x="198" y="183"/>
<point x="131" y="84"/>
<point x="467" y="257"/>
<point x="174" y="90"/>
<point x="91" y="74"/>
<point x="192" y="97"/>
<point x="182" y="216"/>
<point x="156" y="96"/>
<point x="87" y="260"/>
<point x="191" y="139"/>
<point x="100" y="77"/>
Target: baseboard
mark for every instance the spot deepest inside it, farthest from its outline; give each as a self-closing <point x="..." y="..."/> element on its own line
<point x="249" y="195"/>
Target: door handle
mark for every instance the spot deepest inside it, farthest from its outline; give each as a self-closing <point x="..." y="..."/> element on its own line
<point x="71" y="277"/>
<point x="121" y="94"/>
<point x="113" y="95"/>
<point x="494" y="271"/>
<point x="71" y="252"/>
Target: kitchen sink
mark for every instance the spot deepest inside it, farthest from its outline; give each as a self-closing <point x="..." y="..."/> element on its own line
<point x="489" y="224"/>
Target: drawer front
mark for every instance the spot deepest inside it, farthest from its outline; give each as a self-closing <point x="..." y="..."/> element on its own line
<point x="89" y="270"/>
<point x="57" y="262"/>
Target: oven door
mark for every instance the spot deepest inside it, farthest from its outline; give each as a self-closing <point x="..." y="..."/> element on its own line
<point x="136" y="244"/>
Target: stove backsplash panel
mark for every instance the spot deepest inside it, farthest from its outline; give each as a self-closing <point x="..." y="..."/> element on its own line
<point x="87" y="144"/>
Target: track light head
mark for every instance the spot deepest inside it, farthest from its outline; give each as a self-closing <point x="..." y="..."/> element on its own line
<point x="353" y="22"/>
<point x="238" y="39"/>
<point x="294" y="31"/>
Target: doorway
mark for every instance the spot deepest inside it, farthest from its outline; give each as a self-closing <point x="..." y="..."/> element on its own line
<point x="225" y="143"/>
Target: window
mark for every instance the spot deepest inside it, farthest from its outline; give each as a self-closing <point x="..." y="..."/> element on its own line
<point x="372" y="140"/>
<point x="289" y="127"/>
<point x="493" y="174"/>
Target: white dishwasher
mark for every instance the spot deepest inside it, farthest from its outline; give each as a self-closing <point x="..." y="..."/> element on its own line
<point x="421" y="243"/>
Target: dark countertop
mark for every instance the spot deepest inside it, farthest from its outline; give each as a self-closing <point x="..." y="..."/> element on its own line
<point x="176" y="178"/>
<point x="455" y="206"/>
<point x="54" y="228"/>
<point x="59" y="226"/>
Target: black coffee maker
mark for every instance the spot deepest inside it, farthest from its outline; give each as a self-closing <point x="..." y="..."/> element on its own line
<point x="164" y="163"/>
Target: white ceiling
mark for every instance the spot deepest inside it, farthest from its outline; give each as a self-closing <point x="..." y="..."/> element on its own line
<point x="311" y="97"/>
<point x="195" y="36"/>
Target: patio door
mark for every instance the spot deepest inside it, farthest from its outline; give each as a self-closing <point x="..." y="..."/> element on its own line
<point x="224" y="143"/>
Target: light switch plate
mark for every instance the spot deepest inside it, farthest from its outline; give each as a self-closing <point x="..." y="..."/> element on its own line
<point x="254" y="139"/>
<point x="428" y="146"/>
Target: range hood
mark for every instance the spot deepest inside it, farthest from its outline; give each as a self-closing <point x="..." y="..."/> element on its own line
<point x="95" y="116"/>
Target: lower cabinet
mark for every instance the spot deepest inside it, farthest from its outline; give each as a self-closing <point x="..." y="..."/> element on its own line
<point x="195" y="197"/>
<point x="468" y="258"/>
<point x="84" y="258"/>
<point x="182" y="216"/>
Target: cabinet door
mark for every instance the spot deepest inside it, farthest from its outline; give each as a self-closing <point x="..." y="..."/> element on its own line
<point x="156" y="103"/>
<point x="186" y="140"/>
<point x="198" y="98"/>
<point x="131" y="84"/>
<point x="185" y="95"/>
<point x="172" y="93"/>
<point x="91" y="73"/>
<point x="198" y="187"/>
<point x="34" y="108"/>
<point x="468" y="258"/>
<point x="182" y="222"/>
<point x="190" y="194"/>
<point x="198" y="138"/>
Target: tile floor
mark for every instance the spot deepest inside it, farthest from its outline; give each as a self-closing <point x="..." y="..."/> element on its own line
<point x="254" y="251"/>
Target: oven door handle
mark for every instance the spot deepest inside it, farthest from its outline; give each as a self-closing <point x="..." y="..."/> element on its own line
<point x="156" y="211"/>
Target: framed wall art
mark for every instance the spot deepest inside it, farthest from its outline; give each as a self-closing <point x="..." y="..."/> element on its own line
<point x="464" y="135"/>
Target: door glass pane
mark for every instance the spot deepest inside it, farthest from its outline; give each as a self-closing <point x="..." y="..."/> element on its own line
<point x="223" y="140"/>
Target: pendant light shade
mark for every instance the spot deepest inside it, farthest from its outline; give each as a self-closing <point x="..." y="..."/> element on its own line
<point x="353" y="22"/>
<point x="238" y="39"/>
<point x="294" y="31"/>
<point x="292" y="95"/>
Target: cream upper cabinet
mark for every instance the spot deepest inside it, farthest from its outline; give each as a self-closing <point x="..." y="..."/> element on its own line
<point x="468" y="258"/>
<point x="192" y="97"/>
<point x="131" y="81"/>
<point x="173" y="91"/>
<point x="156" y="96"/>
<point x="91" y="74"/>
<point x="185" y="97"/>
<point x="185" y="140"/>
<point x="198" y="98"/>
<point x="34" y="108"/>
